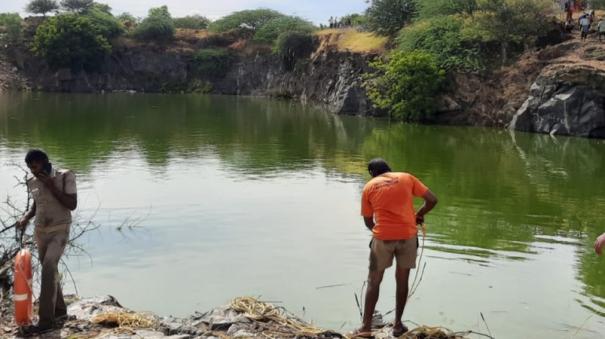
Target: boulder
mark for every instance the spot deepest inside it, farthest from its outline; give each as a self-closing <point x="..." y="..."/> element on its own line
<point x="565" y="100"/>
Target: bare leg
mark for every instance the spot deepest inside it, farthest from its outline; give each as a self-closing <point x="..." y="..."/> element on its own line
<point x="372" y="293"/>
<point x="402" y="276"/>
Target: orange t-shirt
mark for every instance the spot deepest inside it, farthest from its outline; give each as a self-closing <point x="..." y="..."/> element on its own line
<point x="389" y="198"/>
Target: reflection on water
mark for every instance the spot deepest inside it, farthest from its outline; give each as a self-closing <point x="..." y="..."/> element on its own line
<point x="243" y="196"/>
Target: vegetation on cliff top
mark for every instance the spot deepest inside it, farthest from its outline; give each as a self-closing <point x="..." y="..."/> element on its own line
<point x="453" y="36"/>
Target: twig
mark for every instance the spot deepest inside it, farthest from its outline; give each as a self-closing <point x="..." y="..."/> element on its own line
<point x="486" y="325"/>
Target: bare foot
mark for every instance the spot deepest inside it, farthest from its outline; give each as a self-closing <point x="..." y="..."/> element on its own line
<point x="399" y="329"/>
<point x="362" y="333"/>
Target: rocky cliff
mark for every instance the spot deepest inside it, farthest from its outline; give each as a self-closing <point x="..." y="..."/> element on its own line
<point x="568" y="95"/>
<point x="331" y="79"/>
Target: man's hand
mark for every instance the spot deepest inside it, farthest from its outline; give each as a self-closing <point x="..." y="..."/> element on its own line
<point x="599" y="244"/>
<point x="419" y="219"/>
<point x="45" y="179"/>
<point x="22" y="223"/>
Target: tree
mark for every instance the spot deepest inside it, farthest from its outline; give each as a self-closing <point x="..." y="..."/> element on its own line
<point x="212" y="62"/>
<point x="42" y="6"/>
<point x="127" y="20"/>
<point x="406" y="85"/>
<point x="430" y="8"/>
<point x="269" y="32"/>
<point x="77" y="6"/>
<point x="387" y="17"/>
<point x="158" y="25"/>
<point x="192" y="22"/>
<point x="70" y="40"/>
<point x="510" y="21"/>
<point x="253" y="19"/>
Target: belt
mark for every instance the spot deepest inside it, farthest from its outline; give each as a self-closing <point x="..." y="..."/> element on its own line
<point x="52" y="229"/>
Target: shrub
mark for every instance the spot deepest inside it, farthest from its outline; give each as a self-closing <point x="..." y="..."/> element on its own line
<point x="442" y="36"/>
<point x="70" y="40"/>
<point x="291" y="46"/>
<point x="269" y="32"/>
<point x="127" y="20"/>
<point x="42" y="6"/>
<point x="213" y="62"/>
<point x="104" y="22"/>
<point x="76" y="5"/>
<point x="192" y="22"/>
<point x="406" y="85"/>
<point x="509" y="22"/>
<point x="11" y="24"/>
<point x="353" y="20"/>
<point x="158" y="26"/>
<point x="431" y="8"/>
<point x="253" y="19"/>
<point x="387" y="17"/>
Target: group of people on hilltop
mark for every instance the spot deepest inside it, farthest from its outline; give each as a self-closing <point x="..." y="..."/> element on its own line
<point x="585" y="21"/>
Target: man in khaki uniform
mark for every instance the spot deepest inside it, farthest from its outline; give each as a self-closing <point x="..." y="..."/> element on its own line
<point x="54" y="194"/>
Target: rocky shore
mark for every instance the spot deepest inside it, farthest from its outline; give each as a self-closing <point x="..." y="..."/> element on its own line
<point x="105" y="318"/>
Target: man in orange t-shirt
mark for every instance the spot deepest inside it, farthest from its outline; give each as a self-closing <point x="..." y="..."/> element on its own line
<point x="387" y="206"/>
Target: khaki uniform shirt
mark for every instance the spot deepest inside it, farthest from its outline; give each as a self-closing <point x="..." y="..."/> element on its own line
<point x="49" y="211"/>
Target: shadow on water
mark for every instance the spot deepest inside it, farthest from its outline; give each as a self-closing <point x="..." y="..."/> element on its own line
<point x="502" y="195"/>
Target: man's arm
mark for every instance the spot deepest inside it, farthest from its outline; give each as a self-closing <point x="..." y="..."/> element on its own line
<point x="430" y="200"/>
<point x="599" y="243"/>
<point x="369" y="221"/>
<point x="22" y="223"/>
<point x="69" y="201"/>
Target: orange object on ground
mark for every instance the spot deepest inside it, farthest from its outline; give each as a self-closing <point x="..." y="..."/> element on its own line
<point x="22" y="288"/>
<point x="389" y="198"/>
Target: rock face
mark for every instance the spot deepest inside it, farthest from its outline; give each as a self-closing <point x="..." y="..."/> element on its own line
<point x="330" y="79"/>
<point x="565" y="100"/>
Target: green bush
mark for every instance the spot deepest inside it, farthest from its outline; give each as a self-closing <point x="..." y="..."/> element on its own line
<point x="431" y="8"/>
<point x="509" y="22"/>
<point x="127" y="20"/>
<point x="10" y="24"/>
<point x="292" y="46"/>
<point x="158" y="26"/>
<point x="69" y="40"/>
<point x="269" y="32"/>
<point x="213" y="62"/>
<point x="192" y="22"/>
<point x="105" y="23"/>
<point x="442" y="36"/>
<point x="42" y="6"/>
<point x="253" y="19"/>
<point x="387" y="17"/>
<point x="406" y="85"/>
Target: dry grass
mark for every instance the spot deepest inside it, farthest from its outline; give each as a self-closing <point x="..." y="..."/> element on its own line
<point x="191" y="35"/>
<point x="350" y="39"/>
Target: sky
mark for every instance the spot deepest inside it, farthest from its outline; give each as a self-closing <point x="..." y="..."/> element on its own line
<point x="318" y="11"/>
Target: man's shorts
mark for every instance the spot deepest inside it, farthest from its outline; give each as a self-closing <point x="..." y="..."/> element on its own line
<point x="382" y="253"/>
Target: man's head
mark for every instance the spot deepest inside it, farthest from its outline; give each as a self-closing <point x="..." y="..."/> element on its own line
<point x="378" y="167"/>
<point x="36" y="160"/>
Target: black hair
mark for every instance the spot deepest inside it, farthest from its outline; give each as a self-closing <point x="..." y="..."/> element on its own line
<point x="35" y="155"/>
<point x="378" y="167"/>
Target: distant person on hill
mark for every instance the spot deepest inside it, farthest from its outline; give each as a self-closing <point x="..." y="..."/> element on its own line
<point x="569" y="11"/>
<point x="387" y="207"/>
<point x="55" y="197"/>
<point x="599" y="244"/>
<point x="601" y="28"/>
<point x="584" y="26"/>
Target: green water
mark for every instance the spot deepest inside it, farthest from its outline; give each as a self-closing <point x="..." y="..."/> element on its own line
<point x="243" y="196"/>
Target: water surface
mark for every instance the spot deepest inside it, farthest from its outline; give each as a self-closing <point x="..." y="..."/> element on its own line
<point x="243" y="196"/>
